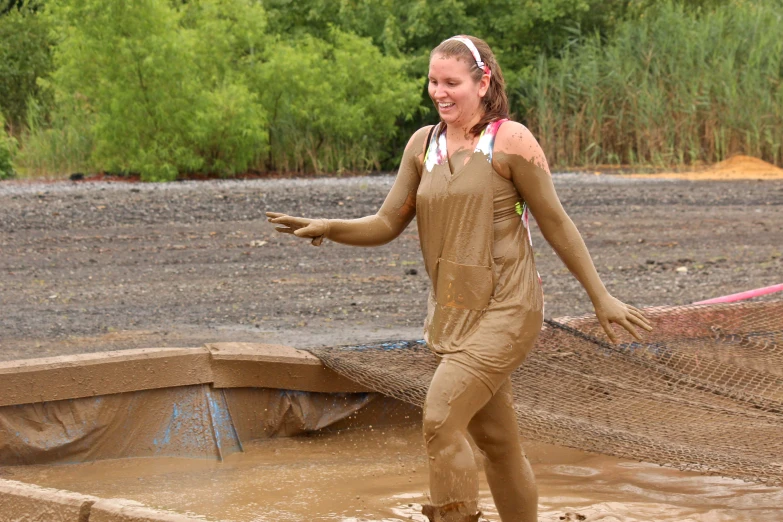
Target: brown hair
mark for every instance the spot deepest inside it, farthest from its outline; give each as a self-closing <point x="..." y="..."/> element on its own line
<point x="495" y="101"/>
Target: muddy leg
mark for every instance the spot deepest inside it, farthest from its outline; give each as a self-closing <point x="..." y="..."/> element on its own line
<point x="455" y="395"/>
<point x="510" y="477"/>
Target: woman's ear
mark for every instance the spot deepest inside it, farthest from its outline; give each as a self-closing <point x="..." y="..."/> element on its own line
<point x="483" y="85"/>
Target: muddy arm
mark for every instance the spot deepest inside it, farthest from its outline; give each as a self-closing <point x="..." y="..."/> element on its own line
<point x="519" y="157"/>
<point x="397" y="210"/>
<point x="395" y="214"/>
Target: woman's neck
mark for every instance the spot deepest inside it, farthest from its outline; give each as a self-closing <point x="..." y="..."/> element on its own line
<point x="461" y="132"/>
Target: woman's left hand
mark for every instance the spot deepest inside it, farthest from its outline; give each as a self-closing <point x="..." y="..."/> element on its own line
<point x="611" y="310"/>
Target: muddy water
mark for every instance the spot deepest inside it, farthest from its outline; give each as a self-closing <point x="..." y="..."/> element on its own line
<point x="381" y="475"/>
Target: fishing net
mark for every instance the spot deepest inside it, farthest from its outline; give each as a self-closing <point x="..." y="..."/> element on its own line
<point x="702" y="392"/>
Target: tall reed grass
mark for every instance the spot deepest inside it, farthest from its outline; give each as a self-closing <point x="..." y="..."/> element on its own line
<point x="674" y="87"/>
<point x="56" y="149"/>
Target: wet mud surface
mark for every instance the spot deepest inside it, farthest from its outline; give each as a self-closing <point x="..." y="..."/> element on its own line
<point x="381" y="476"/>
<point x="102" y="266"/>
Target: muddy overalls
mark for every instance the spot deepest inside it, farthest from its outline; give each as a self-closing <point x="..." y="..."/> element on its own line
<point x="485" y="306"/>
<point x="485" y="309"/>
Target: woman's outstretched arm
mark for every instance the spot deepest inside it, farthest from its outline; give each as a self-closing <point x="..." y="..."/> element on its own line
<point x="519" y="157"/>
<point x="394" y="215"/>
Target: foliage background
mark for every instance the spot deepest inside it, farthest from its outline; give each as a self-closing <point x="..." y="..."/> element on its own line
<point x="167" y="88"/>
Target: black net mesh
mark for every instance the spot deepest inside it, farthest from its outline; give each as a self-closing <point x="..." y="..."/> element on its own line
<point x="703" y="391"/>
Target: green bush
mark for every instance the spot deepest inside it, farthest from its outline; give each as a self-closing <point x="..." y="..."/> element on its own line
<point x="229" y="132"/>
<point x="161" y="85"/>
<point x="333" y="105"/>
<point x="164" y="89"/>
<point x="229" y="38"/>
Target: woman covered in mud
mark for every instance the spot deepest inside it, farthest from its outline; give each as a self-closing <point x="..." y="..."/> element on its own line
<point x="470" y="180"/>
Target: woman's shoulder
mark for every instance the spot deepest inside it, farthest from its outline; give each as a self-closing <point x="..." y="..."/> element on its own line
<point x="512" y="133"/>
<point x="423" y="132"/>
<point x="417" y="141"/>
<point x="513" y="138"/>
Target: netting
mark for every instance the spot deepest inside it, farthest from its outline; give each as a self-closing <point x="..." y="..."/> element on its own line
<point x="702" y="392"/>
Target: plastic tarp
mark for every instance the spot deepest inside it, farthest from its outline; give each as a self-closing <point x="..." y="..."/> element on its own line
<point x="188" y="421"/>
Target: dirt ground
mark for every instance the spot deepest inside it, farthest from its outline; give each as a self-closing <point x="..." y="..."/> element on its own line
<point x="100" y="266"/>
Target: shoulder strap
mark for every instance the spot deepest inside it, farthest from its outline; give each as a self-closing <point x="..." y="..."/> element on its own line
<point x="489" y="134"/>
<point x="429" y="139"/>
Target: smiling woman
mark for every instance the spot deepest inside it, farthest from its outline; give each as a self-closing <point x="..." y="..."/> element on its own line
<point x="447" y="89"/>
<point x="471" y="181"/>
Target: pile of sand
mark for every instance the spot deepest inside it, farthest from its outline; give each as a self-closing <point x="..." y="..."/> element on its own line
<point x="736" y="167"/>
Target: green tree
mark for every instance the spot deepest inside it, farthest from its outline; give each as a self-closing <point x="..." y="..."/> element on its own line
<point x="162" y="100"/>
<point x="7" y="150"/>
<point x="25" y="56"/>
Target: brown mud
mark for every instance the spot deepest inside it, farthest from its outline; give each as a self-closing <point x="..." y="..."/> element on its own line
<point x="101" y="266"/>
<point x="381" y="475"/>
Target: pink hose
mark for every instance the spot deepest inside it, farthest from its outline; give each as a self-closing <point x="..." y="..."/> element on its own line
<point x="749" y="294"/>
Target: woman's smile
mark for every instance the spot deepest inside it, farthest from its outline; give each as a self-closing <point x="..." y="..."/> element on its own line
<point x="454" y="92"/>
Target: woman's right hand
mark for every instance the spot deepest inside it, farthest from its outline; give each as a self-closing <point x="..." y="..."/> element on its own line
<point x="315" y="229"/>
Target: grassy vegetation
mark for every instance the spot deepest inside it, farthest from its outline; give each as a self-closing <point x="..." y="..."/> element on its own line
<point x="56" y="148"/>
<point x="670" y="88"/>
<point x="164" y="88"/>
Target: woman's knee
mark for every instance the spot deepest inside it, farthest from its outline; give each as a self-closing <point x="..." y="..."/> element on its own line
<point x="435" y="423"/>
<point x="495" y="441"/>
<point x="454" y="397"/>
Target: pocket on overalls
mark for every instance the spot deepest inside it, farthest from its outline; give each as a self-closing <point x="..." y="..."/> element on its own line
<point x="467" y="287"/>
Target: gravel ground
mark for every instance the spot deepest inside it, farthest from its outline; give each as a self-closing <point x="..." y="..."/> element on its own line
<point x="96" y="266"/>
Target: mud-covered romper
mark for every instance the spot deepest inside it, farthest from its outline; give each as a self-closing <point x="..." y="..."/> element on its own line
<point x="485" y="306"/>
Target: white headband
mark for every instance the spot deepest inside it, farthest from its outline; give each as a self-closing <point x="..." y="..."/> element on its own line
<point x="476" y="56"/>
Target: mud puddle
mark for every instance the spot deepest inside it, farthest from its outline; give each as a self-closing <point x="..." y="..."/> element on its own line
<point x="381" y="475"/>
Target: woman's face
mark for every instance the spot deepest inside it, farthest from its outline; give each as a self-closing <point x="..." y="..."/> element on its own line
<point x="455" y="94"/>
